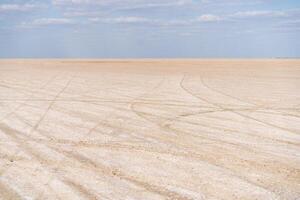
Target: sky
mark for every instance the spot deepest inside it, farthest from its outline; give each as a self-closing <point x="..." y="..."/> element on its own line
<point x="149" y="28"/>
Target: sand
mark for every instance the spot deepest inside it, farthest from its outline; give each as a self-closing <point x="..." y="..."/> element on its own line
<point x="150" y="129"/>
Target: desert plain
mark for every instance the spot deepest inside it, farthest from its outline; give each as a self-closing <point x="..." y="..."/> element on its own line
<point x="150" y="129"/>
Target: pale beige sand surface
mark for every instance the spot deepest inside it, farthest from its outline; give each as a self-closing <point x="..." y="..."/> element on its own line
<point x="150" y="129"/>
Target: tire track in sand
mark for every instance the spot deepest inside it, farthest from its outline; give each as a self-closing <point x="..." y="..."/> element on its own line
<point x="202" y="158"/>
<point x="232" y="110"/>
<point x="241" y="100"/>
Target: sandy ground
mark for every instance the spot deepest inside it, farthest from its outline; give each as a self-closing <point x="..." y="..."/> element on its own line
<point x="150" y="129"/>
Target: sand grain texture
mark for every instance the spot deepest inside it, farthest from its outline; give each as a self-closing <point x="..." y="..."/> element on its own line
<point x="150" y="129"/>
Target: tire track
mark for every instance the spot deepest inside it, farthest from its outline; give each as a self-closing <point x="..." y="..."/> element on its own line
<point x="221" y="107"/>
<point x="36" y="125"/>
<point x="134" y="181"/>
<point x="78" y="159"/>
<point x="114" y="172"/>
<point x="171" y="130"/>
<point x="241" y="100"/>
<point x="14" y="112"/>
<point x="232" y="110"/>
<point x="51" y="104"/>
<point x="28" y="99"/>
<point x="52" y="168"/>
<point x="205" y="159"/>
<point x="145" y="185"/>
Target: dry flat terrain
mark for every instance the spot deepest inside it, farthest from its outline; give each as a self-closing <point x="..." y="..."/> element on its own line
<point x="150" y="129"/>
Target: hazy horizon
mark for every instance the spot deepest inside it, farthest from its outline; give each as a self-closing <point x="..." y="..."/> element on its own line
<point x="149" y="29"/>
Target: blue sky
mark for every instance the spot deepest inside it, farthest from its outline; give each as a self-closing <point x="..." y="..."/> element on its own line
<point x="149" y="28"/>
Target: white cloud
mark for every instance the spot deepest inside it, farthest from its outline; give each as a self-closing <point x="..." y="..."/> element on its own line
<point x="48" y="21"/>
<point x="125" y="4"/>
<point x="156" y="22"/>
<point x="209" y="18"/>
<point x="121" y="20"/>
<point x="156" y="4"/>
<point x="247" y="14"/>
<point x="81" y="13"/>
<point x="61" y="2"/>
<point x="18" y="7"/>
